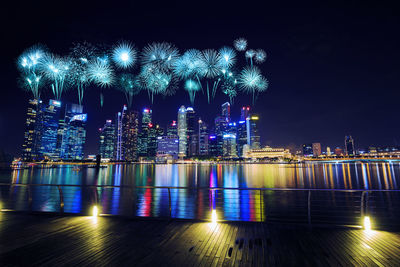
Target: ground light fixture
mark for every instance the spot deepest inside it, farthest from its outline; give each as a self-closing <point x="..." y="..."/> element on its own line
<point x="367" y="223"/>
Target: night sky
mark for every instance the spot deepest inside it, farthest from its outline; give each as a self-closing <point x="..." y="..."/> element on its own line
<point x="332" y="71"/>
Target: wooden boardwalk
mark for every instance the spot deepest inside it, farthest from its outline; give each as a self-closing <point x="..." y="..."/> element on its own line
<point x="56" y="241"/>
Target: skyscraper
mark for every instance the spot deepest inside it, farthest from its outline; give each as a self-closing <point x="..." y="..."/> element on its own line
<point x="241" y="137"/>
<point x="130" y="127"/>
<point x="349" y="145"/>
<point x="244" y="113"/>
<point x="182" y="131"/>
<point x="172" y="129"/>
<point x="107" y="140"/>
<point x="253" y="138"/>
<point x="226" y="111"/>
<point x="154" y="131"/>
<point x="316" y="148"/>
<point x="191" y="132"/>
<point x="71" y="134"/>
<point x="29" y="152"/>
<point x="144" y="133"/>
<point x="48" y="127"/>
<point x="119" y="149"/>
<point x="203" y="138"/>
<point x="229" y="141"/>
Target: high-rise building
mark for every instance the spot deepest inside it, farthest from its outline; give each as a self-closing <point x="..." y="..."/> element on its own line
<point x="244" y="113"/>
<point x="71" y="134"/>
<point x="144" y="133"/>
<point x="154" y="131"/>
<point x="29" y="146"/>
<point x="241" y="137"/>
<point x="182" y="131"/>
<point x="107" y="140"/>
<point x="316" y="147"/>
<point x="226" y="111"/>
<point x="213" y="146"/>
<point x="229" y="145"/>
<point x="48" y="127"/>
<point x="172" y="129"/>
<point x="191" y="132"/>
<point x="130" y="127"/>
<point x="253" y="137"/>
<point x="203" y="138"/>
<point x="349" y="146"/>
<point x="119" y="150"/>
<point x="307" y="150"/>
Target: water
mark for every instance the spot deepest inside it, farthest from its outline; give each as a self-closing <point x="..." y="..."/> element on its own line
<point x="196" y="202"/>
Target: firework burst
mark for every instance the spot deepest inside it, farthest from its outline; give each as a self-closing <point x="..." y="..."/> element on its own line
<point x="228" y="57"/>
<point x="124" y="55"/>
<point x="160" y="55"/>
<point x="102" y="74"/>
<point x="240" y="44"/>
<point x="260" y="56"/>
<point x="251" y="81"/>
<point x="129" y="85"/>
<point x="29" y="63"/>
<point x="57" y="70"/>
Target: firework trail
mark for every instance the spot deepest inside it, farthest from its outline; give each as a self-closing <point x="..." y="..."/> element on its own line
<point x="192" y="87"/>
<point x="130" y="86"/>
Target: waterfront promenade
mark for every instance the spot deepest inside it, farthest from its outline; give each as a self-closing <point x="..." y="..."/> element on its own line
<point x="50" y="240"/>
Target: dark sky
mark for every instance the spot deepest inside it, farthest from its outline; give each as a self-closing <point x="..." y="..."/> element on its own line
<point x="332" y="70"/>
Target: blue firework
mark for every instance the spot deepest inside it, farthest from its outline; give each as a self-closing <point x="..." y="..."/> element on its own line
<point x="228" y="57"/>
<point x="187" y="65"/>
<point x="240" y="44"/>
<point x="160" y="55"/>
<point x="124" y="55"/>
<point x="101" y="73"/>
<point x="260" y="56"/>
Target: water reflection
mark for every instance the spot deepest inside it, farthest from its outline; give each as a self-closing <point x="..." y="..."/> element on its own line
<point x="248" y="205"/>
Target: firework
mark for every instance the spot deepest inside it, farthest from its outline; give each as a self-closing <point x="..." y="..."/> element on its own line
<point x="57" y="70"/>
<point x="83" y="52"/>
<point x="192" y="87"/>
<point x="160" y="55"/>
<point x="129" y="85"/>
<point x="154" y="81"/>
<point x="229" y="87"/>
<point x="240" y="44"/>
<point x="228" y="57"/>
<point x="210" y="67"/>
<point x="29" y="63"/>
<point x="250" y="55"/>
<point x="251" y="81"/>
<point x="124" y="55"/>
<point x="187" y="65"/>
<point x="80" y="76"/>
<point x="260" y="56"/>
<point x="102" y="74"/>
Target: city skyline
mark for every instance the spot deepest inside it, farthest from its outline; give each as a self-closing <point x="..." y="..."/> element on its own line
<point x="313" y="67"/>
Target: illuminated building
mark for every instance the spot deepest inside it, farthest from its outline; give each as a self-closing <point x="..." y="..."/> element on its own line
<point x="168" y="146"/>
<point x="107" y="140"/>
<point x="253" y="137"/>
<point x="308" y="150"/>
<point x="191" y="132"/>
<point x="144" y="133"/>
<point x="130" y="128"/>
<point x="203" y="138"/>
<point x="182" y="131"/>
<point x="316" y="149"/>
<point x="118" y="151"/>
<point x="154" y="131"/>
<point x="48" y="127"/>
<point x="338" y="151"/>
<point x="268" y="152"/>
<point x="349" y="146"/>
<point x="172" y="129"/>
<point x="226" y="111"/>
<point x="29" y="147"/>
<point x="328" y="151"/>
<point x="244" y="113"/>
<point x="212" y="146"/>
<point x="229" y="145"/>
<point x="241" y="138"/>
<point x="72" y="133"/>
